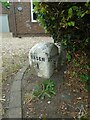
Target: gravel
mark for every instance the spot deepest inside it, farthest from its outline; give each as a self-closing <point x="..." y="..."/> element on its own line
<point x="11" y="46"/>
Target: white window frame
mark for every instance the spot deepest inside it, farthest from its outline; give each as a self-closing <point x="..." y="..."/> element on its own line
<point x="32" y="20"/>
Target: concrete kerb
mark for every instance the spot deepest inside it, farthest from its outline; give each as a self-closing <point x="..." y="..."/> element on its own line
<point x="15" y="104"/>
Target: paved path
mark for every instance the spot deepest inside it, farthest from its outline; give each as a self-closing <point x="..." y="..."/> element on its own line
<point x="15" y="105"/>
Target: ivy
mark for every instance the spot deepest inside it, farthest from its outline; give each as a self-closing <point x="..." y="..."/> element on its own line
<point x="70" y="12"/>
<point x="67" y="23"/>
<point x="5" y="4"/>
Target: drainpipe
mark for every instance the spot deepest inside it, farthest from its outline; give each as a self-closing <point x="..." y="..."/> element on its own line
<point x="14" y="20"/>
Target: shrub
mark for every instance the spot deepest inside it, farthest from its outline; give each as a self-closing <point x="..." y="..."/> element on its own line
<point x="67" y="22"/>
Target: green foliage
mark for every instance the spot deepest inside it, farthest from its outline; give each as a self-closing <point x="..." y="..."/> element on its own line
<point x="86" y="79"/>
<point x="46" y="88"/>
<point x="87" y="87"/>
<point x="67" y="23"/>
<point x="70" y="12"/>
<point x="5" y="4"/>
<point x="69" y="56"/>
<point x="85" y="117"/>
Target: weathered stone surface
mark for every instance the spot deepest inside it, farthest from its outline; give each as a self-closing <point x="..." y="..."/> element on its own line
<point x="43" y="59"/>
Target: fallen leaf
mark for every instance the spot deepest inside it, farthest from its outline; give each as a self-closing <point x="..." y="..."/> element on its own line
<point x="79" y="98"/>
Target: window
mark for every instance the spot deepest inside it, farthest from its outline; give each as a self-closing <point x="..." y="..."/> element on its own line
<point x="33" y="15"/>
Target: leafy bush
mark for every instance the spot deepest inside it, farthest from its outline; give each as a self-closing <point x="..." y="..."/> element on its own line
<point x="67" y="23"/>
<point x="46" y="88"/>
<point x="5" y="4"/>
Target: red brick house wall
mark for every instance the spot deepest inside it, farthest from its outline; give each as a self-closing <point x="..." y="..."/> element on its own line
<point x="24" y="26"/>
<point x="20" y="21"/>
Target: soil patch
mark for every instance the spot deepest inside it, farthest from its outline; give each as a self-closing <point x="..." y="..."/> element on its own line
<point x="67" y="102"/>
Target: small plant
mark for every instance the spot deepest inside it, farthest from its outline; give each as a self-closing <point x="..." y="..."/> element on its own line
<point x="46" y="88"/>
<point x="69" y="56"/>
<point x="85" y="79"/>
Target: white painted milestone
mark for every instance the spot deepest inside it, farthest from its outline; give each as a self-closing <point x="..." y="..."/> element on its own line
<point x="43" y="58"/>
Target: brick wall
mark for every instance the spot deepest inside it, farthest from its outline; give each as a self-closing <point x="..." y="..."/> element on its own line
<point x="24" y="26"/>
<point x="20" y="22"/>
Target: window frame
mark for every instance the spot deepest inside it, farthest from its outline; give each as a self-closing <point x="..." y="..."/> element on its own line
<point x="32" y="15"/>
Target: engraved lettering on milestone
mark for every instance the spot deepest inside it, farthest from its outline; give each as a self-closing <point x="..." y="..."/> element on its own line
<point x="36" y="58"/>
<point x="43" y="59"/>
<point x="39" y="58"/>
